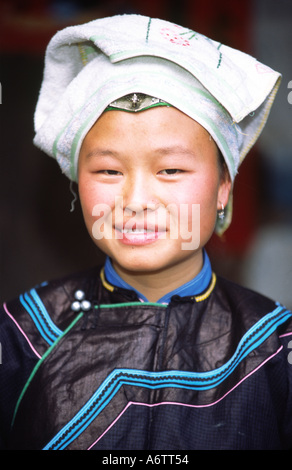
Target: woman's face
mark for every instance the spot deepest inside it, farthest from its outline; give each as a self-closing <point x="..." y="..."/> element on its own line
<point x="150" y="186"/>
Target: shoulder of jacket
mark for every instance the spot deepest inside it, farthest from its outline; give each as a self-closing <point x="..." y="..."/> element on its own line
<point x="59" y="294"/>
<point x="249" y="306"/>
<point x="44" y="312"/>
<point x="242" y="296"/>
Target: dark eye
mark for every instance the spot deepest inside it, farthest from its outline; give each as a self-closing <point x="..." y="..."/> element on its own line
<point x="110" y="172"/>
<point x="170" y="171"/>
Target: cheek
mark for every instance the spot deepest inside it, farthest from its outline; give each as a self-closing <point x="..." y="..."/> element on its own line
<point x="91" y="195"/>
<point x="87" y="198"/>
<point x="96" y="207"/>
<point x="208" y="209"/>
<point x="201" y="198"/>
<point x="203" y="191"/>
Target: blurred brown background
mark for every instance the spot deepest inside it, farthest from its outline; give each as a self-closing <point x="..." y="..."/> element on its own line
<point x="40" y="237"/>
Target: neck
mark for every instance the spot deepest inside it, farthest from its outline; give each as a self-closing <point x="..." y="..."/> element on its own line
<point x="155" y="284"/>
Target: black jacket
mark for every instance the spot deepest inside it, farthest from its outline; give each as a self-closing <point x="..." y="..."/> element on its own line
<point x="204" y="372"/>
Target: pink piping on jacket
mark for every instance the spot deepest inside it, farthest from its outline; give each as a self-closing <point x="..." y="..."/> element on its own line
<point x="183" y="404"/>
<point x="21" y="331"/>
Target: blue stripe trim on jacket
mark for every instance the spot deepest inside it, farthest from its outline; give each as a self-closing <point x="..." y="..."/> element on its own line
<point x="40" y="316"/>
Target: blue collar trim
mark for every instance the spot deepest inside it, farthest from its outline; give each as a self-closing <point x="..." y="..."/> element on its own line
<point x="194" y="287"/>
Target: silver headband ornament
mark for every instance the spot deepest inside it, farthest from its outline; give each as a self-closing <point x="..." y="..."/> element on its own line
<point x="136" y="102"/>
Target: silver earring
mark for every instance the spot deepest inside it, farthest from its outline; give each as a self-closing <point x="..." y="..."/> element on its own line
<point x="221" y="213"/>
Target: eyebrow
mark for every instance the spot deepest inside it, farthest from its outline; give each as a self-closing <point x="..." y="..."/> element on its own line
<point x="176" y="149"/>
<point x="101" y="153"/>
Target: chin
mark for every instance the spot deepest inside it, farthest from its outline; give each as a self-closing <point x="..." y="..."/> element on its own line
<point x="139" y="266"/>
<point x="148" y="264"/>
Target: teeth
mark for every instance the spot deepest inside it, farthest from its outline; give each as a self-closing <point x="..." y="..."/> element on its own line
<point x="136" y="230"/>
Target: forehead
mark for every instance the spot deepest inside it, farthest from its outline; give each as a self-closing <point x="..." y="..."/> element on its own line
<point x="155" y="124"/>
<point x="147" y="135"/>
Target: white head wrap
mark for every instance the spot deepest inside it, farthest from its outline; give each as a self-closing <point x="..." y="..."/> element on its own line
<point x="89" y="66"/>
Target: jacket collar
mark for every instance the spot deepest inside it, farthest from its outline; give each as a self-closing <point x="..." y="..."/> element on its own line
<point x="194" y="287"/>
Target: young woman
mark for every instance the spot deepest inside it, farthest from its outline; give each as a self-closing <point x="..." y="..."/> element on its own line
<point x="152" y="350"/>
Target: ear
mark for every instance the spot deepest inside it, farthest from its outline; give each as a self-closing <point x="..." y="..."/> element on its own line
<point x="223" y="192"/>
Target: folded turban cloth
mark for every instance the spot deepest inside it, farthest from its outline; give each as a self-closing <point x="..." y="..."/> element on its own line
<point x="89" y="66"/>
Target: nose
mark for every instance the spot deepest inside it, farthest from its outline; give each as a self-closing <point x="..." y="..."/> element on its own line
<point x="138" y="195"/>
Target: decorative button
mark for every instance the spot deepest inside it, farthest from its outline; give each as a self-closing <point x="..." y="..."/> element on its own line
<point x="76" y="306"/>
<point x="80" y="303"/>
<point x="85" y="305"/>
<point x="79" y="295"/>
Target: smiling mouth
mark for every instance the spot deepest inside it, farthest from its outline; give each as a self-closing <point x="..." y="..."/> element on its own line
<point x="137" y="230"/>
<point x="139" y="236"/>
